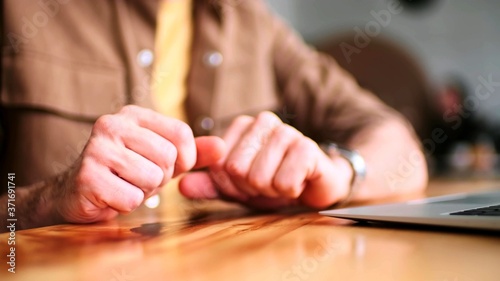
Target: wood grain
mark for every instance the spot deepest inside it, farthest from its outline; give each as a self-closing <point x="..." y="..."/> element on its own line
<point x="218" y="241"/>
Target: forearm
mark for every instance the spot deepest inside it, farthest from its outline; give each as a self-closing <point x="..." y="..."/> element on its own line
<point x="32" y="206"/>
<point x="395" y="161"/>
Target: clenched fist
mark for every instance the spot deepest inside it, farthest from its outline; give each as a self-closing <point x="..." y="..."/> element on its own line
<point x="128" y="157"/>
<point x="270" y="164"/>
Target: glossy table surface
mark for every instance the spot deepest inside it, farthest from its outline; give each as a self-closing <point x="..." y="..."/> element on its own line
<point x="220" y="241"/>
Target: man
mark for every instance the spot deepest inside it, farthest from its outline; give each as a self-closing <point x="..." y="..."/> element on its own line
<point x="83" y="155"/>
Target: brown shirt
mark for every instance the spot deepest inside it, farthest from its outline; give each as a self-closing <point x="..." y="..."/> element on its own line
<point x="66" y="62"/>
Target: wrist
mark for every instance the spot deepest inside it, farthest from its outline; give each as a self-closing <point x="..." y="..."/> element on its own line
<point x="52" y="200"/>
<point x="56" y="198"/>
<point x="356" y="165"/>
<point x="35" y="206"/>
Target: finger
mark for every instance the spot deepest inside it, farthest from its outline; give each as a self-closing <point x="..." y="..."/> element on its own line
<point x="209" y="150"/>
<point x="224" y="180"/>
<point x="237" y="128"/>
<point x="217" y="180"/>
<point x="105" y="190"/>
<point x="198" y="185"/>
<point x="175" y="131"/>
<point x="152" y="147"/>
<point x="210" y="185"/>
<point x="247" y="140"/>
<point x="240" y="158"/>
<point x="242" y="185"/>
<point x="298" y="166"/>
<point x="127" y="164"/>
<point x="226" y="185"/>
<point x="266" y="163"/>
<point x="322" y="191"/>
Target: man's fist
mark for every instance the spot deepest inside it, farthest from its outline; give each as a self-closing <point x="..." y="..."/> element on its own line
<point x="128" y="157"/>
<point x="270" y="164"/>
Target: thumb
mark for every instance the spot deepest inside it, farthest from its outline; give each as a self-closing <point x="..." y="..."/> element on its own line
<point x="198" y="185"/>
<point x="209" y="149"/>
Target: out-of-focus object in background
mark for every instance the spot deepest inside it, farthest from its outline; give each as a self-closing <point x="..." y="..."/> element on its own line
<point x="417" y="5"/>
<point x="476" y="158"/>
<point x="465" y="145"/>
<point x="486" y="157"/>
<point x="469" y="148"/>
<point x="390" y="72"/>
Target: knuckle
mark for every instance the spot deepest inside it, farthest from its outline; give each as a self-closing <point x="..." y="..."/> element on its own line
<point x="258" y="182"/>
<point x="285" y="187"/>
<point x="280" y="185"/>
<point x="268" y="118"/>
<point x="235" y="169"/>
<point x="183" y="131"/>
<point x="106" y="124"/>
<point x="309" y="151"/>
<point x="308" y="145"/>
<point x="242" y="120"/>
<point x="266" y="115"/>
<point x="129" y="109"/>
<point x="284" y="133"/>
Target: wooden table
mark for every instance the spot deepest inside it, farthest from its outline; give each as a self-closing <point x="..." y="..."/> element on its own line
<point x="219" y="241"/>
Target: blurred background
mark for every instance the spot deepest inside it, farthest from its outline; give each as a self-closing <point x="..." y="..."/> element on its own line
<point x="435" y="61"/>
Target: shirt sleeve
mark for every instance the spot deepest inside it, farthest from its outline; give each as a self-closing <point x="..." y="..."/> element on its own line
<point x="325" y="101"/>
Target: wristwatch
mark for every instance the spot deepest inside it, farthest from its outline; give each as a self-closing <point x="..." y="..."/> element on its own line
<point x="356" y="161"/>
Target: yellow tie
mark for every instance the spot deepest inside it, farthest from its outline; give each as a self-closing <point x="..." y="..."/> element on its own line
<point x="172" y="52"/>
<point x="168" y="86"/>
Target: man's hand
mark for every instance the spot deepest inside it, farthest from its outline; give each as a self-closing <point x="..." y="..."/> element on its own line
<point x="128" y="157"/>
<point x="270" y="164"/>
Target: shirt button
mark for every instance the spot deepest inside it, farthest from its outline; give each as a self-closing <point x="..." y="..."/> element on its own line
<point x="145" y="58"/>
<point x="213" y="59"/>
<point x="207" y="123"/>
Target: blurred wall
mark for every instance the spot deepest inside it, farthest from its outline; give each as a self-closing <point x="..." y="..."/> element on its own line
<point x="452" y="36"/>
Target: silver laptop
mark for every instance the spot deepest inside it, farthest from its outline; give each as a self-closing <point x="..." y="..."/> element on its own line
<point x="478" y="210"/>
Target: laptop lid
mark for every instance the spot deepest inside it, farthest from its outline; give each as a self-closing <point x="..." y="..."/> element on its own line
<point x="478" y="210"/>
